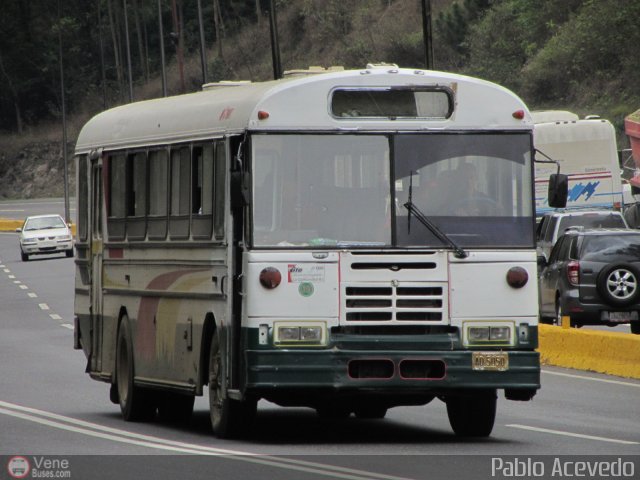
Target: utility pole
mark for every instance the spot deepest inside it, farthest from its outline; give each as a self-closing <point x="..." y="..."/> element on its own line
<point x="162" y="59"/>
<point x="102" y="67"/>
<point x="64" y="119"/>
<point x="275" y="45"/>
<point x="426" y="33"/>
<point x="176" y="35"/>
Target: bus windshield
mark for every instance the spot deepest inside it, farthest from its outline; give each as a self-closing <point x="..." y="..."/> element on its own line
<point x="336" y="190"/>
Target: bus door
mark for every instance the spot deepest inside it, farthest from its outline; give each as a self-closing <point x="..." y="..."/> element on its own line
<point x="95" y="259"/>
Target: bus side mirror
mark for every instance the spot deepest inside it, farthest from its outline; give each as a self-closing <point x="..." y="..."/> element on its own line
<point x="541" y="261"/>
<point x="558" y="190"/>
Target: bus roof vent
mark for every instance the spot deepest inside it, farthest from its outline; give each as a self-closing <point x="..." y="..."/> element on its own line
<point x="312" y="70"/>
<point x="553" y="116"/>
<point x="225" y="83"/>
<point x="381" y="65"/>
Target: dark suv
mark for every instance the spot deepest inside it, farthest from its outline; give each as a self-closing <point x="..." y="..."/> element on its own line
<point x="553" y="224"/>
<point x="593" y="276"/>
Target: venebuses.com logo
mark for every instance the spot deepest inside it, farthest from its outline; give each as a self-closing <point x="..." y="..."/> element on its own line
<point x="18" y="467"/>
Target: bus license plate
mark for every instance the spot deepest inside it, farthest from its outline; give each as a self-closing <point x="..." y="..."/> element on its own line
<point x="497" y="361"/>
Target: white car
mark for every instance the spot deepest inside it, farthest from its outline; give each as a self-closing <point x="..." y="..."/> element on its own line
<point x="44" y="234"/>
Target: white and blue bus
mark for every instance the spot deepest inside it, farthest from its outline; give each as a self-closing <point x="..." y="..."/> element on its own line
<point x="349" y="241"/>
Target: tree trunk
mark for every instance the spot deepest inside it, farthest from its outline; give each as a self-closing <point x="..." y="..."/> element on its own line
<point x="143" y="62"/>
<point x="178" y="39"/>
<point x="14" y="97"/>
<point x="115" y="38"/>
<point x="219" y="26"/>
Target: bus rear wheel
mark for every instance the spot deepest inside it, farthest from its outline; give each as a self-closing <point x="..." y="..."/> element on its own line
<point x="229" y="418"/>
<point x="472" y="415"/>
<point x="136" y="403"/>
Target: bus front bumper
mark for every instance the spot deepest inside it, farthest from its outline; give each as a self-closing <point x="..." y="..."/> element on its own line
<point x="402" y="372"/>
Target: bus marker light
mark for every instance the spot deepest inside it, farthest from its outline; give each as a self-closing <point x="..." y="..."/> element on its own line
<point x="263" y="334"/>
<point x="270" y="277"/>
<point x="262" y="115"/>
<point x="523" y="333"/>
<point x="518" y="114"/>
<point x="517" y="277"/>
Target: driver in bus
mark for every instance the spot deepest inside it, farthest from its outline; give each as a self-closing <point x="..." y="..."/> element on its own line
<point x="471" y="200"/>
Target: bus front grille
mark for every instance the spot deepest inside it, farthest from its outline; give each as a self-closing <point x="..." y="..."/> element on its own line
<point x="396" y="304"/>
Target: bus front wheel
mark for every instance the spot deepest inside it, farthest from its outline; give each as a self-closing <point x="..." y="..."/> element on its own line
<point x="472" y="415"/>
<point x="135" y="402"/>
<point x="229" y="418"/>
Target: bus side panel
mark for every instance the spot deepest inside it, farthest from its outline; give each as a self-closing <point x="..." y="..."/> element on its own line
<point x="166" y="306"/>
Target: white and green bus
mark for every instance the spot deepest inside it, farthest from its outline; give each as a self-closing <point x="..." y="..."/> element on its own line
<point x="349" y="241"/>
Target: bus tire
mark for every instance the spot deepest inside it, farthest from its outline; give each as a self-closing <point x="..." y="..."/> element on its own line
<point x="229" y="418"/>
<point x="472" y="415"/>
<point x="136" y="403"/>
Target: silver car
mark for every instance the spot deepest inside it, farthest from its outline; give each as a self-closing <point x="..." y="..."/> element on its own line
<point x="44" y="234"/>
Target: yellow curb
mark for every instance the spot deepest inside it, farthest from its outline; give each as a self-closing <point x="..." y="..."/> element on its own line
<point x="612" y="353"/>
<point x="10" y="225"/>
<point x="7" y="225"/>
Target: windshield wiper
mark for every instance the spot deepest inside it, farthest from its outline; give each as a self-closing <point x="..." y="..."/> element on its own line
<point x="433" y="228"/>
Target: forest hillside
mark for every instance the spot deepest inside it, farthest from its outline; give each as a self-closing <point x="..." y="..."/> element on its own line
<point x="579" y="55"/>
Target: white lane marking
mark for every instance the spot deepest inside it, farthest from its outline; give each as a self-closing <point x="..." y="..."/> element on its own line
<point x="593" y="379"/>
<point x="43" y="306"/>
<point x="55" y="316"/>
<point x="31" y="294"/>
<point x="17" y="282"/>
<point x="570" y="434"/>
<point x="11" y="276"/>
<point x="100" y="431"/>
<point x="67" y="325"/>
<point x="24" y="287"/>
<point x="6" y="270"/>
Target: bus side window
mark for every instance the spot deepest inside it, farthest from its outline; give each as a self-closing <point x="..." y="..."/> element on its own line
<point x="83" y="192"/>
<point x="219" y="178"/>
<point x="158" y="189"/>
<point x="202" y="191"/>
<point x="116" y="188"/>
<point x="180" y="192"/>
<point x="136" y="196"/>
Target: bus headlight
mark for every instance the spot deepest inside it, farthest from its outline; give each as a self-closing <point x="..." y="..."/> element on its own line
<point x="481" y="333"/>
<point x="478" y="334"/>
<point x="300" y="334"/>
<point x="500" y="333"/>
<point x="288" y="334"/>
<point x="311" y="334"/>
